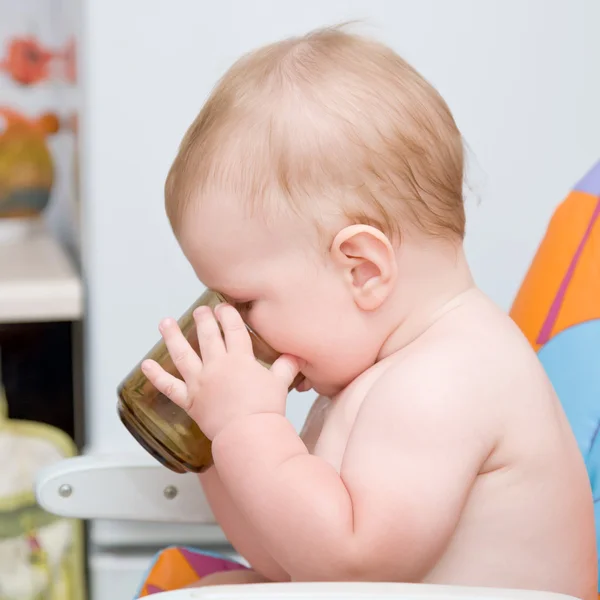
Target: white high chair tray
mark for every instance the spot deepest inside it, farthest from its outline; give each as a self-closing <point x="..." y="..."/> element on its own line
<point x="354" y="591"/>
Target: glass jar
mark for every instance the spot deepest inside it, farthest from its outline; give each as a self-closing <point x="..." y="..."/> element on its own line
<point x="160" y="426"/>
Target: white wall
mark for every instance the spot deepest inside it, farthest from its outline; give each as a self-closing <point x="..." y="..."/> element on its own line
<point x="520" y="75"/>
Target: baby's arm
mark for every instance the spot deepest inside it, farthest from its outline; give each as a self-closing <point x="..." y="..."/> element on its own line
<point x="416" y="448"/>
<point x="240" y="533"/>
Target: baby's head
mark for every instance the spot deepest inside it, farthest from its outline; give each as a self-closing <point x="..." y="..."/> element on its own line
<point x="316" y="172"/>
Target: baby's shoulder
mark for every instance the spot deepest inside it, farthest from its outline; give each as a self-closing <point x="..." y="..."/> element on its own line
<point x="433" y="385"/>
<point x="429" y="395"/>
<point x="452" y="360"/>
<point x="462" y="367"/>
<point x="473" y="345"/>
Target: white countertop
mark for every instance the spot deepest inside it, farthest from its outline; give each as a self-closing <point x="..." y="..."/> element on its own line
<point x="38" y="281"/>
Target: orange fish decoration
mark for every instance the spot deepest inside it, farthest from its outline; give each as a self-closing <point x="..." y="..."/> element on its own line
<point x="26" y="165"/>
<point x="28" y="62"/>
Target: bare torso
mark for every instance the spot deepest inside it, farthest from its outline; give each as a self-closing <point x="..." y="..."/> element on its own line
<point x="528" y="521"/>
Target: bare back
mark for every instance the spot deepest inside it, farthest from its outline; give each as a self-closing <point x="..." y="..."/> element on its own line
<point x="527" y="519"/>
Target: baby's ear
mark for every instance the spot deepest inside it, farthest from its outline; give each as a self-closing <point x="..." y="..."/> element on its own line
<point x="368" y="263"/>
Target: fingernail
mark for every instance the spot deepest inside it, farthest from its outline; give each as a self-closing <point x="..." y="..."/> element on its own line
<point x="165" y="323"/>
<point x="201" y="310"/>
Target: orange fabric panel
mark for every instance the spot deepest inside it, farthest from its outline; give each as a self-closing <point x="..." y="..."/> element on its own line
<point x="563" y="281"/>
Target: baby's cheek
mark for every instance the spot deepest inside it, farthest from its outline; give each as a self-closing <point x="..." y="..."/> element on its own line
<point x="261" y="324"/>
<point x="277" y="330"/>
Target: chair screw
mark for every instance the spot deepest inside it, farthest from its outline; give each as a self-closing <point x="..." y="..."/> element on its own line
<point x="65" y="490"/>
<point x="170" y="492"/>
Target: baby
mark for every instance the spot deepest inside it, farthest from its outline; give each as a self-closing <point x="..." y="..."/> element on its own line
<point x="320" y="191"/>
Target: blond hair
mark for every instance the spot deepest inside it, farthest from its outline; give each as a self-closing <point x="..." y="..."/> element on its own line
<point x="328" y="124"/>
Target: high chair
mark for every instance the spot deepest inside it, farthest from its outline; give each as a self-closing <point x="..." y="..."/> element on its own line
<point x="134" y="487"/>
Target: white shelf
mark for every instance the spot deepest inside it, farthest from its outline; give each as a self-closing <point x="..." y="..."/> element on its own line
<point x="38" y="281"/>
<point x="58" y="98"/>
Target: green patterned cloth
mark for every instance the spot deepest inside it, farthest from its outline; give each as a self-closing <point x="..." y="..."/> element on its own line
<point x="41" y="555"/>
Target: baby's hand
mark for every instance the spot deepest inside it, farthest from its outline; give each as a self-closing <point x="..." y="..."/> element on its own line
<point x="228" y="383"/>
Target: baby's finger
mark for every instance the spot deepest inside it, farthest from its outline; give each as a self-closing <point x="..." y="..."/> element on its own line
<point x="286" y="368"/>
<point x="235" y="332"/>
<point x="210" y="339"/>
<point x="174" y="389"/>
<point x="184" y="358"/>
